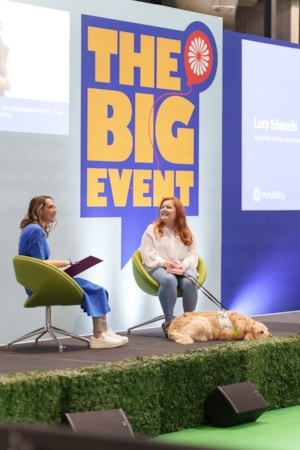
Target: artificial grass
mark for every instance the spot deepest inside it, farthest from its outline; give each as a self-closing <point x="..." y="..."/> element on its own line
<point x="273" y="430"/>
<point x="159" y="394"/>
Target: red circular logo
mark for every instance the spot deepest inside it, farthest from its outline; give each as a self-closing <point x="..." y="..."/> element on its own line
<point x="198" y="58"/>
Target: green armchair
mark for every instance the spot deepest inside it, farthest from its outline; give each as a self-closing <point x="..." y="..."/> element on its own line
<point x="147" y="284"/>
<point x="49" y="286"/>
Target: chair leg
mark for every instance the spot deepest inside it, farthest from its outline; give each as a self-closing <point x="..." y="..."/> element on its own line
<point x="48" y="328"/>
<point x="69" y="334"/>
<point x="39" y="331"/>
<point x="52" y="330"/>
<point x="205" y="291"/>
<point x="41" y="335"/>
<point x="155" y="319"/>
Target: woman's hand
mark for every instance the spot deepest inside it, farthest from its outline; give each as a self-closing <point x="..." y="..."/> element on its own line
<point x="174" y="268"/>
<point x="60" y="263"/>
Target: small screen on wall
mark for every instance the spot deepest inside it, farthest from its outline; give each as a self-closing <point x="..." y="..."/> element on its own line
<point x="34" y="69"/>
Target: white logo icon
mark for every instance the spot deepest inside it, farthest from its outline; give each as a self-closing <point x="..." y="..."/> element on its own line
<point x="256" y="194"/>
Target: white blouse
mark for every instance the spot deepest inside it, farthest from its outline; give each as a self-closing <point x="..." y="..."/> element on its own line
<point x="157" y="249"/>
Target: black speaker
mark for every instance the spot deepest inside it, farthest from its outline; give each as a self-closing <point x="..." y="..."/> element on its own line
<point x="234" y="404"/>
<point x="110" y="422"/>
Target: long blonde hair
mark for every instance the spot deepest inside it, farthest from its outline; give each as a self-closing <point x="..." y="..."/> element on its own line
<point x="33" y="215"/>
<point x="181" y="228"/>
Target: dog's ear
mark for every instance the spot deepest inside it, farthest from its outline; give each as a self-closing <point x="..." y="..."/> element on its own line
<point x="251" y="334"/>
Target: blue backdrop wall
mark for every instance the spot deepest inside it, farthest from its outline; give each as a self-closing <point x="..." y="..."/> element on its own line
<point x="260" y="187"/>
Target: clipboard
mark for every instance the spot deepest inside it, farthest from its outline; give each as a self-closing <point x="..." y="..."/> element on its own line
<point x="83" y="264"/>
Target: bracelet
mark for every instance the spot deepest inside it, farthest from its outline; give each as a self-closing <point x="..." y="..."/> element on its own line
<point x="69" y="262"/>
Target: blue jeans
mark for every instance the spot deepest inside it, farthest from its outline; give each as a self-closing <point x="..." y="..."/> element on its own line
<point x="167" y="293"/>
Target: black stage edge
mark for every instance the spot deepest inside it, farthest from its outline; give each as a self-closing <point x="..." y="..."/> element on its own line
<point x="146" y="342"/>
<point x="22" y="437"/>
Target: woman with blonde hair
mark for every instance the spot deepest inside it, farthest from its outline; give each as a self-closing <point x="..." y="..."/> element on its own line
<point x="169" y="254"/>
<point x="35" y="228"/>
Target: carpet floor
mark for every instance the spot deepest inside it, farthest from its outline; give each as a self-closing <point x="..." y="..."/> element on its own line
<point x="45" y="356"/>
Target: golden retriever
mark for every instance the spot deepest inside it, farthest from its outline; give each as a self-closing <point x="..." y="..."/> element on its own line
<point x="215" y="325"/>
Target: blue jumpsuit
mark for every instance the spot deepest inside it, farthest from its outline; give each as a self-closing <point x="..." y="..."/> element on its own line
<point x="33" y="243"/>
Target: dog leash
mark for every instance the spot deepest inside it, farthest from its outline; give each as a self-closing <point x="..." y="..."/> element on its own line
<point x="205" y="291"/>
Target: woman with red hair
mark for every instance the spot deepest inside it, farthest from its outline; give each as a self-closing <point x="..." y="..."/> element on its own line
<point x="169" y="253"/>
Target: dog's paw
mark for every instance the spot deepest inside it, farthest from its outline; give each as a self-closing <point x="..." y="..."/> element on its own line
<point x="185" y="340"/>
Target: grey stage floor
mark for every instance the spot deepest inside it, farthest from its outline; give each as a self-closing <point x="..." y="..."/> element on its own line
<point x="146" y="342"/>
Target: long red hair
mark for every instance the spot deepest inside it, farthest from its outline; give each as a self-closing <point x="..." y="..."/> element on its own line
<point x="181" y="228"/>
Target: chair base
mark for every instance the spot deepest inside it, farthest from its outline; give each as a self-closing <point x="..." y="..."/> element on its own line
<point x="155" y="319"/>
<point x="48" y="328"/>
<point x="205" y="291"/>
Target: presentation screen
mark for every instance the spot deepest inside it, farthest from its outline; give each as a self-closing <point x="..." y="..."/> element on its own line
<point x="34" y="69"/>
<point x="260" y="181"/>
<point x="270" y="126"/>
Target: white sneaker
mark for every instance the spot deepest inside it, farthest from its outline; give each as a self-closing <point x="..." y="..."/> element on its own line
<point x="104" y="341"/>
<point x="117" y="337"/>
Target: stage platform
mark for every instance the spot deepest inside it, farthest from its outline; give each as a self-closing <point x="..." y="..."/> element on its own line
<point x="142" y="342"/>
